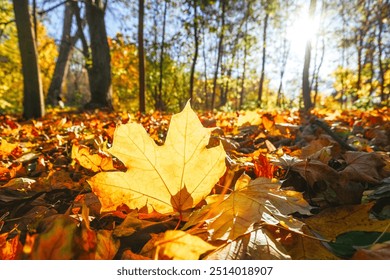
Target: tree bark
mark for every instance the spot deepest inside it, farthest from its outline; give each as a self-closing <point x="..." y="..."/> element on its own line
<point x="33" y="101"/>
<point x="243" y="77"/>
<point x="306" y="91"/>
<point x="141" y="56"/>
<point x="196" y="51"/>
<point x="261" y="83"/>
<point x="99" y="72"/>
<point x="159" y="102"/>
<point x="381" y="15"/>
<point x="219" y="56"/>
<point x="62" y="64"/>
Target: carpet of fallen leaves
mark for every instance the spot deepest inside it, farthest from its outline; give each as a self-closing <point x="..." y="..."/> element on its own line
<point x="295" y="186"/>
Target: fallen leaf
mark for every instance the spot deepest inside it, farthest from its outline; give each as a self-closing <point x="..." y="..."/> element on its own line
<point x="375" y="252"/>
<point x="130" y="225"/>
<point x="179" y="245"/>
<point x="363" y="167"/>
<point x="347" y="243"/>
<point x="95" y="162"/>
<point x="20" y="184"/>
<point x="334" y="221"/>
<point x="256" y="245"/>
<point x="10" y="248"/>
<point x="173" y="177"/>
<point x="260" y="201"/>
<point x="61" y="233"/>
<point x="107" y="246"/>
<point x="6" y="148"/>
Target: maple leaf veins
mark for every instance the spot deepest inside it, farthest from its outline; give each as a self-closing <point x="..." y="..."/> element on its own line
<point x="172" y="177"/>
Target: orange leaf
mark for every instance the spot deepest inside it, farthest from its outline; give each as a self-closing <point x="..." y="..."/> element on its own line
<point x="10" y="249"/>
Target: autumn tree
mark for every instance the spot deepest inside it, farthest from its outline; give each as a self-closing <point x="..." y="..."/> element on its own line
<point x="141" y="56"/>
<point x="62" y="65"/>
<point x="195" y="26"/>
<point x="306" y="91"/>
<point x="96" y="54"/>
<point x="100" y="70"/>
<point x="269" y="7"/>
<point x="33" y="101"/>
<point x="221" y="36"/>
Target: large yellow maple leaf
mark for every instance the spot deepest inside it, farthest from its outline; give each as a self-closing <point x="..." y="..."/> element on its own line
<point x="168" y="178"/>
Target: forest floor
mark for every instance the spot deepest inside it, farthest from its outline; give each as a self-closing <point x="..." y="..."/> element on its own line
<point x="286" y="185"/>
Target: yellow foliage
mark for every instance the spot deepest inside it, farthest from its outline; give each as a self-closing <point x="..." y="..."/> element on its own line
<point x="124" y="71"/>
<point x="11" y="88"/>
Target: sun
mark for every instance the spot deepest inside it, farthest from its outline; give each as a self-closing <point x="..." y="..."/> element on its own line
<point x="300" y="31"/>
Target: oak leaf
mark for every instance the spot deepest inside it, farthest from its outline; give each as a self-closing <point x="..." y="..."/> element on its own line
<point x="173" y="177"/>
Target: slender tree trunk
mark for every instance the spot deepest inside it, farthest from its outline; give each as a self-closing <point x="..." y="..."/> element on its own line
<point x="243" y="77"/>
<point x="33" y="101"/>
<point x="159" y="102"/>
<point x="219" y="56"/>
<point x="100" y="71"/>
<point x="196" y="43"/>
<point x="141" y="57"/>
<point x="285" y="54"/>
<point x="206" y="92"/>
<point x="306" y="91"/>
<point x="360" y="65"/>
<point x="317" y="74"/>
<point x="261" y="83"/>
<point x="62" y="64"/>
<point x="380" y="53"/>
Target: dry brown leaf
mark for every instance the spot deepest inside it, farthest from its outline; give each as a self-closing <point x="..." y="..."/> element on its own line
<point x="172" y="177"/>
<point x="363" y="166"/>
<point x="260" y="201"/>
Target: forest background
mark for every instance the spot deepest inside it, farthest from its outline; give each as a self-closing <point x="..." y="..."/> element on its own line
<point x="226" y="55"/>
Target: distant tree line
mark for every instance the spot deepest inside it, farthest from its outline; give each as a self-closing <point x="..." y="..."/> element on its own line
<point x="220" y="54"/>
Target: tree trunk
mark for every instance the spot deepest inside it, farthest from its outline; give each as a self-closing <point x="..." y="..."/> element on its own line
<point x="141" y="56"/>
<point x="206" y="79"/>
<point x="219" y="56"/>
<point x="159" y="102"/>
<point x="261" y="83"/>
<point x="360" y="65"/>
<point x="306" y="91"/>
<point x="243" y="77"/>
<point x="61" y="69"/>
<point x="196" y="43"/>
<point x="99" y="73"/>
<point x="33" y="103"/>
<point x="382" y="71"/>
